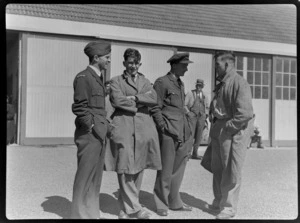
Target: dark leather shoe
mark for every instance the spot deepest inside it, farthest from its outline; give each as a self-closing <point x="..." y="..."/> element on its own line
<point x="224" y="216"/>
<point x="143" y="214"/>
<point x="185" y="207"/>
<point x="162" y="212"/>
<point x="212" y="208"/>
<point x="123" y="215"/>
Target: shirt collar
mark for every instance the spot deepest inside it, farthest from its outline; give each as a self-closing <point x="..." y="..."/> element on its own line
<point x="96" y="70"/>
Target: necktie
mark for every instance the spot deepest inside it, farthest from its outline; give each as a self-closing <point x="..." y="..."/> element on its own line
<point x="133" y="78"/>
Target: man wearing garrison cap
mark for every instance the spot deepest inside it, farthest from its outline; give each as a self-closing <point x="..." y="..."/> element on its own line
<point x="91" y="128"/>
<point x="174" y="132"/>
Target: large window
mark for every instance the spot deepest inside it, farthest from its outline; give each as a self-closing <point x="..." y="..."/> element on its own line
<point x="256" y="70"/>
<point x="286" y="79"/>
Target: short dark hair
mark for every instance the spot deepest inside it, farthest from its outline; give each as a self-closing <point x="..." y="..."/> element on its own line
<point x="224" y="54"/>
<point x="130" y="52"/>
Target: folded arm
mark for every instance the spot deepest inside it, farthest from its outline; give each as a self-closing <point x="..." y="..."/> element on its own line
<point x="119" y="100"/>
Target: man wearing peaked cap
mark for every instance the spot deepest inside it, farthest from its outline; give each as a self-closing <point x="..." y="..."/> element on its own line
<point x="174" y="133"/>
<point x="91" y="129"/>
<point x="180" y="58"/>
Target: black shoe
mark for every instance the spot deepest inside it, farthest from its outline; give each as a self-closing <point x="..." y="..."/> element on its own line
<point x="213" y="208"/>
<point x="185" y="207"/>
<point x="162" y="212"/>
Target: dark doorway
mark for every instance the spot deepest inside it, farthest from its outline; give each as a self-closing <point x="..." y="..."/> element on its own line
<point x="12" y="74"/>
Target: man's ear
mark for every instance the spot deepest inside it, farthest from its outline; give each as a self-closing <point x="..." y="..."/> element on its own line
<point x="124" y="63"/>
<point x="96" y="58"/>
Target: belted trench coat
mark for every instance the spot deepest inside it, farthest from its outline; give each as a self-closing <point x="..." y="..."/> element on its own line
<point x="134" y="143"/>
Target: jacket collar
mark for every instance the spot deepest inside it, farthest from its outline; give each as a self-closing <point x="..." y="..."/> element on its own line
<point x="229" y="73"/>
<point x="130" y="82"/>
<point x="100" y="81"/>
<point x="174" y="79"/>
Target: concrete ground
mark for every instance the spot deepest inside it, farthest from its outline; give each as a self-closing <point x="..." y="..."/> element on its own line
<point x="40" y="179"/>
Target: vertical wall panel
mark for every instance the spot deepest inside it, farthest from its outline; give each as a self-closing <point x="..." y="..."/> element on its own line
<point x="261" y="108"/>
<point x="52" y="64"/>
<point x="286" y="120"/>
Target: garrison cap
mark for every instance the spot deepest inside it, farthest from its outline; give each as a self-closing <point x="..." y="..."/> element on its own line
<point x="99" y="48"/>
<point x="180" y="58"/>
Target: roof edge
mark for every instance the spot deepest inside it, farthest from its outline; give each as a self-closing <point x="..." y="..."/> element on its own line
<point x="66" y="27"/>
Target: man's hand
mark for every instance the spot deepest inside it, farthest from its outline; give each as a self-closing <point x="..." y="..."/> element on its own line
<point x="131" y="98"/>
<point x="191" y="114"/>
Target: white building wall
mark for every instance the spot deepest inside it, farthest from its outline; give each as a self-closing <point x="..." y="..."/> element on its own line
<point x="261" y="108"/>
<point x="200" y="68"/>
<point x="285" y="120"/>
<point x="52" y="64"/>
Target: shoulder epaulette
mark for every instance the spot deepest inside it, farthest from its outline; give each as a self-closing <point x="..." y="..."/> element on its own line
<point x="80" y="75"/>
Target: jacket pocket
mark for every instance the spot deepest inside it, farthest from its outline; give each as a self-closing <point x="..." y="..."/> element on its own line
<point x="98" y="98"/>
<point x="174" y="98"/>
<point x="100" y="127"/>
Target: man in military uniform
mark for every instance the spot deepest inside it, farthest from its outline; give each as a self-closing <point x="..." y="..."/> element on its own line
<point x="232" y="118"/>
<point x="174" y="131"/>
<point x="90" y="133"/>
<point x="199" y="124"/>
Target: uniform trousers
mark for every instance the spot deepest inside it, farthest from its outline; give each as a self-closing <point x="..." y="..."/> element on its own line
<point x="130" y="185"/>
<point x="174" y="157"/>
<point x="90" y="162"/>
<point x="200" y="124"/>
<point x="228" y="155"/>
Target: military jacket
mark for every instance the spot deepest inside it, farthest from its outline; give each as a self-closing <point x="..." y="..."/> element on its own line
<point x="169" y="114"/>
<point x="89" y="103"/>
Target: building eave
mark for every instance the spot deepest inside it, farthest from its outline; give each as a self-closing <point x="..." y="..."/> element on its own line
<point x="121" y="33"/>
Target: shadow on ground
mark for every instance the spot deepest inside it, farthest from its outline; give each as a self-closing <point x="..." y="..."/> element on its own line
<point x="57" y="205"/>
<point x="109" y="203"/>
<point x="196" y="203"/>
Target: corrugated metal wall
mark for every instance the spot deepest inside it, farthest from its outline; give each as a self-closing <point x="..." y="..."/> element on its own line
<point x="52" y="64"/>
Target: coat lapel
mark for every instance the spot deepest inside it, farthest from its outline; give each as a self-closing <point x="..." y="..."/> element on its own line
<point x="129" y="81"/>
<point x="140" y="82"/>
